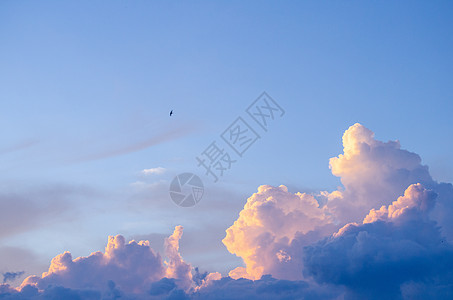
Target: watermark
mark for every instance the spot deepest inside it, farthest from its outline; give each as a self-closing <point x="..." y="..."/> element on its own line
<point x="218" y="157"/>
<point x="186" y="189"/>
<point x="264" y="110"/>
<point x="239" y="137"/>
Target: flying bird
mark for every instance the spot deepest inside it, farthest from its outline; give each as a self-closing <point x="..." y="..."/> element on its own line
<point x="171" y="112"/>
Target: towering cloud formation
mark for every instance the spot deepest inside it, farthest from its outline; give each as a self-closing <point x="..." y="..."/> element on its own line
<point x="275" y="227"/>
<point x="372" y="172"/>
<point x="176" y="267"/>
<point x="385" y="235"/>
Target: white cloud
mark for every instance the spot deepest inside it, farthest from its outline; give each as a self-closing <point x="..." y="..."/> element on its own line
<point x="154" y="171"/>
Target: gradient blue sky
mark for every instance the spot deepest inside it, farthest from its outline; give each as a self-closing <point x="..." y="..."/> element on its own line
<point x="84" y="84"/>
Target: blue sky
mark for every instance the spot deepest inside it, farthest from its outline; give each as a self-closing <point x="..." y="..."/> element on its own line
<point x="84" y="85"/>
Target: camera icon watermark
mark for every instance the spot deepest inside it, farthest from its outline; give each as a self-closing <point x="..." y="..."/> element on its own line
<point x="186" y="189"/>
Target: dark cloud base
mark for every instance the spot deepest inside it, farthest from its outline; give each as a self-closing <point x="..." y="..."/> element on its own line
<point x="166" y="288"/>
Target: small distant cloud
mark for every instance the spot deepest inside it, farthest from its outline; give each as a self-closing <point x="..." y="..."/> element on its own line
<point x="152" y="171"/>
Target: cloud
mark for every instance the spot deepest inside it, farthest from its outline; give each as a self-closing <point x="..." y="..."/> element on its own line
<point x="265" y="288"/>
<point x="169" y="134"/>
<point x="51" y="292"/>
<point x="386" y="234"/>
<point x="208" y="280"/>
<point x="167" y="288"/>
<point x="416" y="198"/>
<point x="205" y="224"/>
<point x="19" y="146"/>
<point x="11" y="276"/>
<point x="134" y="271"/>
<point x="176" y="267"/>
<point x="271" y="219"/>
<point x="152" y="171"/>
<point x="16" y="258"/>
<point x="395" y="247"/>
<point x="131" y="266"/>
<point x="24" y="208"/>
<point x="278" y="233"/>
<point x="372" y="172"/>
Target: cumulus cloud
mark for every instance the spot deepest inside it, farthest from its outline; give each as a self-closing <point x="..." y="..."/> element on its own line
<point x="266" y="227"/>
<point x="394" y="248"/>
<point x="266" y="287"/>
<point x="134" y="271"/>
<point x="372" y="172"/>
<point x="50" y="293"/>
<point x="124" y="268"/>
<point x="223" y="289"/>
<point x="176" y="267"/>
<point x="386" y="234"/>
<point x="416" y="198"/>
<point x="131" y="266"/>
<point x="209" y="280"/>
<point x="379" y="233"/>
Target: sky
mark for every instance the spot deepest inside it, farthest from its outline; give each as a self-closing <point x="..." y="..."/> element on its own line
<point x="356" y="160"/>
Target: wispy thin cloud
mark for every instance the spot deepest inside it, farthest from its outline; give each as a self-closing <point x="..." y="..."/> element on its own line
<point x="18" y="146"/>
<point x="162" y="137"/>
<point x="25" y="208"/>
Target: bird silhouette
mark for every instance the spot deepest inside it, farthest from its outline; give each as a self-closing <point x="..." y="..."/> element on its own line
<point x="171" y="112"/>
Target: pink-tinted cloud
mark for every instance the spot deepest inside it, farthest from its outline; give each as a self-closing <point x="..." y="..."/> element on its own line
<point x="131" y="266"/>
<point x="271" y="232"/>
<point x="372" y="172"/>
<point x="177" y="268"/>
<point x="416" y="198"/>
<point x="266" y="226"/>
